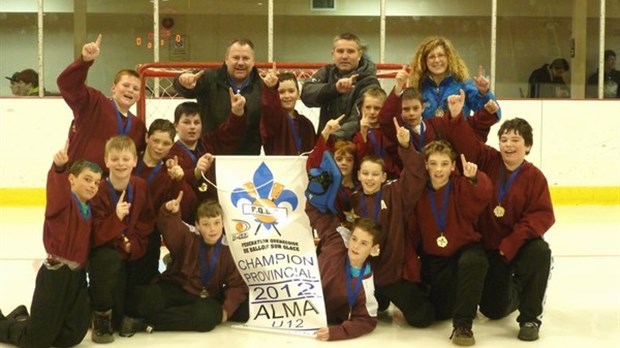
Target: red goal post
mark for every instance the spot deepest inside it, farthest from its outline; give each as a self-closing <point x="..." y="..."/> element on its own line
<point x="158" y="99"/>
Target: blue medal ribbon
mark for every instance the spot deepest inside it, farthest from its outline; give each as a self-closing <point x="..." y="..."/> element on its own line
<point x="439" y="98"/>
<point x="440" y="217"/>
<point x="189" y="152"/>
<point x="205" y="273"/>
<point x="353" y="293"/>
<point x="151" y="176"/>
<point x="376" y="148"/>
<point x="236" y="89"/>
<point x="377" y="206"/>
<point x="296" y="136"/>
<point x="119" y="121"/>
<point x="503" y="189"/>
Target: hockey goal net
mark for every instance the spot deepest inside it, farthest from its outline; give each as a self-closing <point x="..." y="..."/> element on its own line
<point x="158" y="99"/>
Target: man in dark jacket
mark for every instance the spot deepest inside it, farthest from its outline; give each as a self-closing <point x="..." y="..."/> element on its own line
<point x="548" y="80"/>
<point x="210" y="88"/>
<point x="337" y="88"/>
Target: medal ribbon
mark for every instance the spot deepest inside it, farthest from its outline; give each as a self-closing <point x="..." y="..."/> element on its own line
<point x="296" y="136"/>
<point x="503" y="189"/>
<point x="440" y="98"/>
<point x="189" y="152"/>
<point x="119" y="121"/>
<point x="376" y="148"/>
<point x="377" y="206"/>
<point x="151" y="176"/>
<point x="440" y="217"/>
<point x="205" y="273"/>
<point x="351" y="292"/>
<point x="244" y="84"/>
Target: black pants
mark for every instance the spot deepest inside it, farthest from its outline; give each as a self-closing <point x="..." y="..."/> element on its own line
<point x="520" y="284"/>
<point x="144" y="270"/>
<point x="456" y="284"/>
<point x="107" y="273"/>
<point x="412" y="299"/>
<point x="168" y="307"/>
<point x="59" y="313"/>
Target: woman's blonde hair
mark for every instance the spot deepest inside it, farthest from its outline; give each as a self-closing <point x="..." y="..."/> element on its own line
<point x="456" y="65"/>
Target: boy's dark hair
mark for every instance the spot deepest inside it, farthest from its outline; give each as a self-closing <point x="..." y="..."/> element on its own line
<point x="162" y="125"/>
<point x="349" y="37"/>
<point x="123" y="72"/>
<point x="411" y="93"/>
<point x="120" y="143"/>
<point x="186" y="108"/>
<point x="208" y="209"/>
<point x="80" y="165"/>
<point x="241" y="41"/>
<point x="372" y="227"/>
<point x="441" y="147"/>
<point x="374" y="159"/>
<point x="519" y="126"/>
<point x="286" y="76"/>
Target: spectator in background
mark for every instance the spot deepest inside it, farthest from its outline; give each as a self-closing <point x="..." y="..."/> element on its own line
<point x="16" y="85"/>
<point x="611" y="78"/>
<point x="548" y="80"/>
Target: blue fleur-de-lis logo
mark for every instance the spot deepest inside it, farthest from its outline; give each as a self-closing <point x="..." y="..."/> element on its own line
<point x="268" y="199"/>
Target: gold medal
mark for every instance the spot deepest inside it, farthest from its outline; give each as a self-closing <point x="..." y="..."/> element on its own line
<point x="204" y="293"/>
<point x="439" y="112"/>
<point x="442" y="241"/>
<point x="204" y="187"/>
<point x="499" y="211"/>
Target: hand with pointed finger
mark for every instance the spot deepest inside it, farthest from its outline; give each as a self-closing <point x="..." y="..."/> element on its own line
<point x="456" y="103"/>
<point x="482" y="83"/>
<point x="175" y="171"/>
<point x="402" y="134"/>
<point x="402" y="79"/>
<point x="270" y="78"/>
<point x="491" y="106"/>
<point x="61" y="157"/>
<point x="174" y="205"/>
<point x="189" y="79"/>
<point x="90" y="51"/>
<point x="122" y="207"/>
<point x="331" y="127"/>
<point x="203" y="165"/>
<point x="346" y="84"/>
<point x="469" y="169"/>
<point x="237" y="102"/>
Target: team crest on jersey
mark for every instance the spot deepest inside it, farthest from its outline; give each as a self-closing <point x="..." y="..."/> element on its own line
<point x="264" y="200"/>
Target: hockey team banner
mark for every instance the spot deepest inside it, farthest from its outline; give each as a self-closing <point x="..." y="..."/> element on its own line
<point x="271" y="240"/>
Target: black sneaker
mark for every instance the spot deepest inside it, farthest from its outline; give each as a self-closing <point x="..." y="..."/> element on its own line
<point x="130" y="326"/>
<point x="529" y="331"/>
<point x="20" y="313"/>
<point x="462" y="336"/>
<point x="102" y="327"/>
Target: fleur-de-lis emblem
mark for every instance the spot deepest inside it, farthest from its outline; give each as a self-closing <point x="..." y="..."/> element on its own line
<point x="268" y="198"/>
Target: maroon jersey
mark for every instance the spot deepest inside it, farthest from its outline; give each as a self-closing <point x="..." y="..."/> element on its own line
<point x="162" y="187"/>
<point x="390" y="206"/>
<point x="466" y="201"/>
<point x="66" y="230"/>
<point x="225" y="282"/>
<point x="280" y="133"/>
<point x="95" y="116"/>
<point x="353" y="321"/>
<point x="136" y="226"/>
<point x="528" y="212"/>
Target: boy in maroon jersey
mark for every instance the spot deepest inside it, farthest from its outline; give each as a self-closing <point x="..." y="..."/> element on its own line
<point x="283" y="130"/>
<point x="201" y="287"/>
<point x="454" y="263"/>
<point x="123" y="219"/>
<point x="389" y="204"/>
<point x="60" y="310"/>
<point x="96" y="118"/>
<point x="513" y="225"/>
